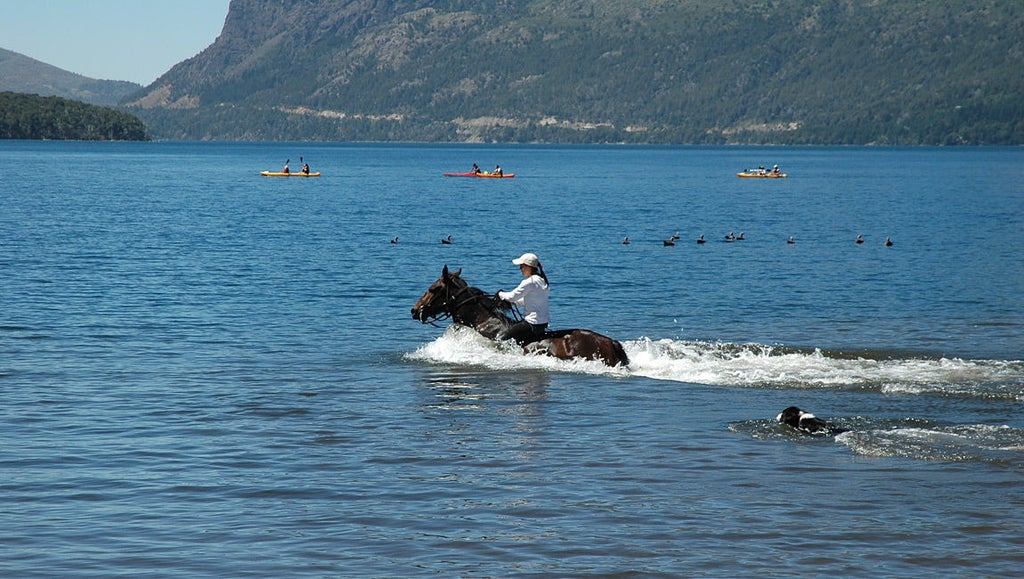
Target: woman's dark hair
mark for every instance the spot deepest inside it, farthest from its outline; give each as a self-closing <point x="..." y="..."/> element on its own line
<point x="540" y="272"/>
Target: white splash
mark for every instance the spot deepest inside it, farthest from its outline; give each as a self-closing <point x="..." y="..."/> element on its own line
<point x="463" y="346"/>
<point x="756" y="365"/>
<point x="951" y="443"/>
<point x="749" y="365"/>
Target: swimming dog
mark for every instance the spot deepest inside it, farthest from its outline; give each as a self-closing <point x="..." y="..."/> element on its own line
<point x="807" y="423"/>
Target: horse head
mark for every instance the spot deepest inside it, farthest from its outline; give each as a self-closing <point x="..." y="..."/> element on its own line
<point x="437" y="300"/>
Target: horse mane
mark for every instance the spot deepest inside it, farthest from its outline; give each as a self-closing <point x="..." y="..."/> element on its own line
<point x="487" y="300"/>
<point x="496" y="306"/>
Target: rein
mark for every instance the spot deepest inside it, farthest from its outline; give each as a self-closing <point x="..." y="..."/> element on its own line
<point x="449" y="308"/>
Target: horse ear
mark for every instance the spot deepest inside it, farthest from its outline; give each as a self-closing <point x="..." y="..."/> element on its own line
<point x="444" y="272"/>
<point x="457" y="273"/>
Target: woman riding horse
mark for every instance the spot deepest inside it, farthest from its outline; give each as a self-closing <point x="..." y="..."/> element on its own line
<point x="532" y="295"/>
<point x="450" y="296"/>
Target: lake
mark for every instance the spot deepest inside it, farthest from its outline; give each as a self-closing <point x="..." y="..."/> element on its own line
<point x="206" y="372"/>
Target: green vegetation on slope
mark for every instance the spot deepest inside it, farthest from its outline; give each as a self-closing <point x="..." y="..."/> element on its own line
<point x="24" y="116"/>
<point x="660" y="71"/>
<point x="19" y="73"/>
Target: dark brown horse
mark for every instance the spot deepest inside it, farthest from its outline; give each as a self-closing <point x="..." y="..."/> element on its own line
<point x="451" y="297"/>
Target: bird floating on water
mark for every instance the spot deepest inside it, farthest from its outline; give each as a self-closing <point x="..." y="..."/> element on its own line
<point x="625" y="240"/>
<point x="701" y="238"/>
<point x="860" y="239"/>
<point x="791" y="240"/>
<point x="731" y="237"/>
<point x="395" y="240"/>
<point x="888" y="242"/>
<point x="447" y="240"/>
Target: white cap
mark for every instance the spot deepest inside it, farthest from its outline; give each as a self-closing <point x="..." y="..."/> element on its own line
<point x="529" y="259"/>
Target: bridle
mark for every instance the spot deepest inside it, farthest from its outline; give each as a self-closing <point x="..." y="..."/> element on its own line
<point x="448" y="307"/>
<point x="453" y="301"/>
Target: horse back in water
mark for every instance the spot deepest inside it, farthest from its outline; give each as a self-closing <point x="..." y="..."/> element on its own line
<point x="450" y="296"/>
<point x="579" y="343"/>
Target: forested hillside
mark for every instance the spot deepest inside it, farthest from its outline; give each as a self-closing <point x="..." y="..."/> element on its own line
<point x="24" y="116"/>
<point x="658" y="71"/>
<point x="19" y="73"/>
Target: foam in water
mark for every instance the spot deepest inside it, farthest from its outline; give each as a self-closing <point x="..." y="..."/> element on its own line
<point x="751" y="365"/>
<point x="464" y="346"/>
<point x="991" y="443"/>
<point x="915" y="438"/>
<point x="756" y="365"/>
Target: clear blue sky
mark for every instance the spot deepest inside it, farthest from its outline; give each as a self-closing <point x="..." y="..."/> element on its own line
<point x="136" y="40"/>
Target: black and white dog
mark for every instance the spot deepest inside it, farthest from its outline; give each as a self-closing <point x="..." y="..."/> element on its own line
<point x="807" y="423"/>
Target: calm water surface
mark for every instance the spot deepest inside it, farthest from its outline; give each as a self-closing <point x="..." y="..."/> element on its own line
<point x="209" y="373"/>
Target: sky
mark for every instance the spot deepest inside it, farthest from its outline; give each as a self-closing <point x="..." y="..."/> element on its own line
<point x="136" y="40"/>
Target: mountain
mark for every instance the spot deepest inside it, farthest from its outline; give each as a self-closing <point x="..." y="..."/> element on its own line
<point x="21" y="74"/>
<point x="657" y="71"/>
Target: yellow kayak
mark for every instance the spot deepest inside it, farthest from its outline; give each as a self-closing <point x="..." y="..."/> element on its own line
<point x="278" y="174"/>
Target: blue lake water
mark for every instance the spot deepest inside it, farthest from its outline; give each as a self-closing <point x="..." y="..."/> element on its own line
<point x="209" y="373"/>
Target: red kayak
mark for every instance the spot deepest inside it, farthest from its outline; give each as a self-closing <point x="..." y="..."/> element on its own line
<point x="483" y="175"/>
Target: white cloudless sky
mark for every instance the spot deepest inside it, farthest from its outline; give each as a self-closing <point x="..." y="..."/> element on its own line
<point x="136" y="40"/>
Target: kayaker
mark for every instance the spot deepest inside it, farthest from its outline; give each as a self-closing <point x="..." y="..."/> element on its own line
<point x="532" y="295"/>
<point x="305" y="168"/>
<point x="286" y="169"/>
<point x="476" y="169"/>
<point x="497" y="171"/>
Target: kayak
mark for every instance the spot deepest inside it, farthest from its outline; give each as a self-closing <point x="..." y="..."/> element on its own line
<point x="299" y="174"/>
<point x="481" y="175"/>
<point x="757" y="175"/>
<point x="278" y="174"/>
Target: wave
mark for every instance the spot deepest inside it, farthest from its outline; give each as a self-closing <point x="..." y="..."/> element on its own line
<point x="762" y="366"/>
<point x="754" y="366"/>
<point x="980" y="442"/>
<point x="918" y="439"/>
<point x="463" y="346"/>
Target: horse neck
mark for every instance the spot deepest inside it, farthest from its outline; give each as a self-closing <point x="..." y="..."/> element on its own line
<point x="477" y="315"/>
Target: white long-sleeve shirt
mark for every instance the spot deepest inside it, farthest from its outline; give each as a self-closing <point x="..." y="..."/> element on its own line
<point x="532" y="295"/>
